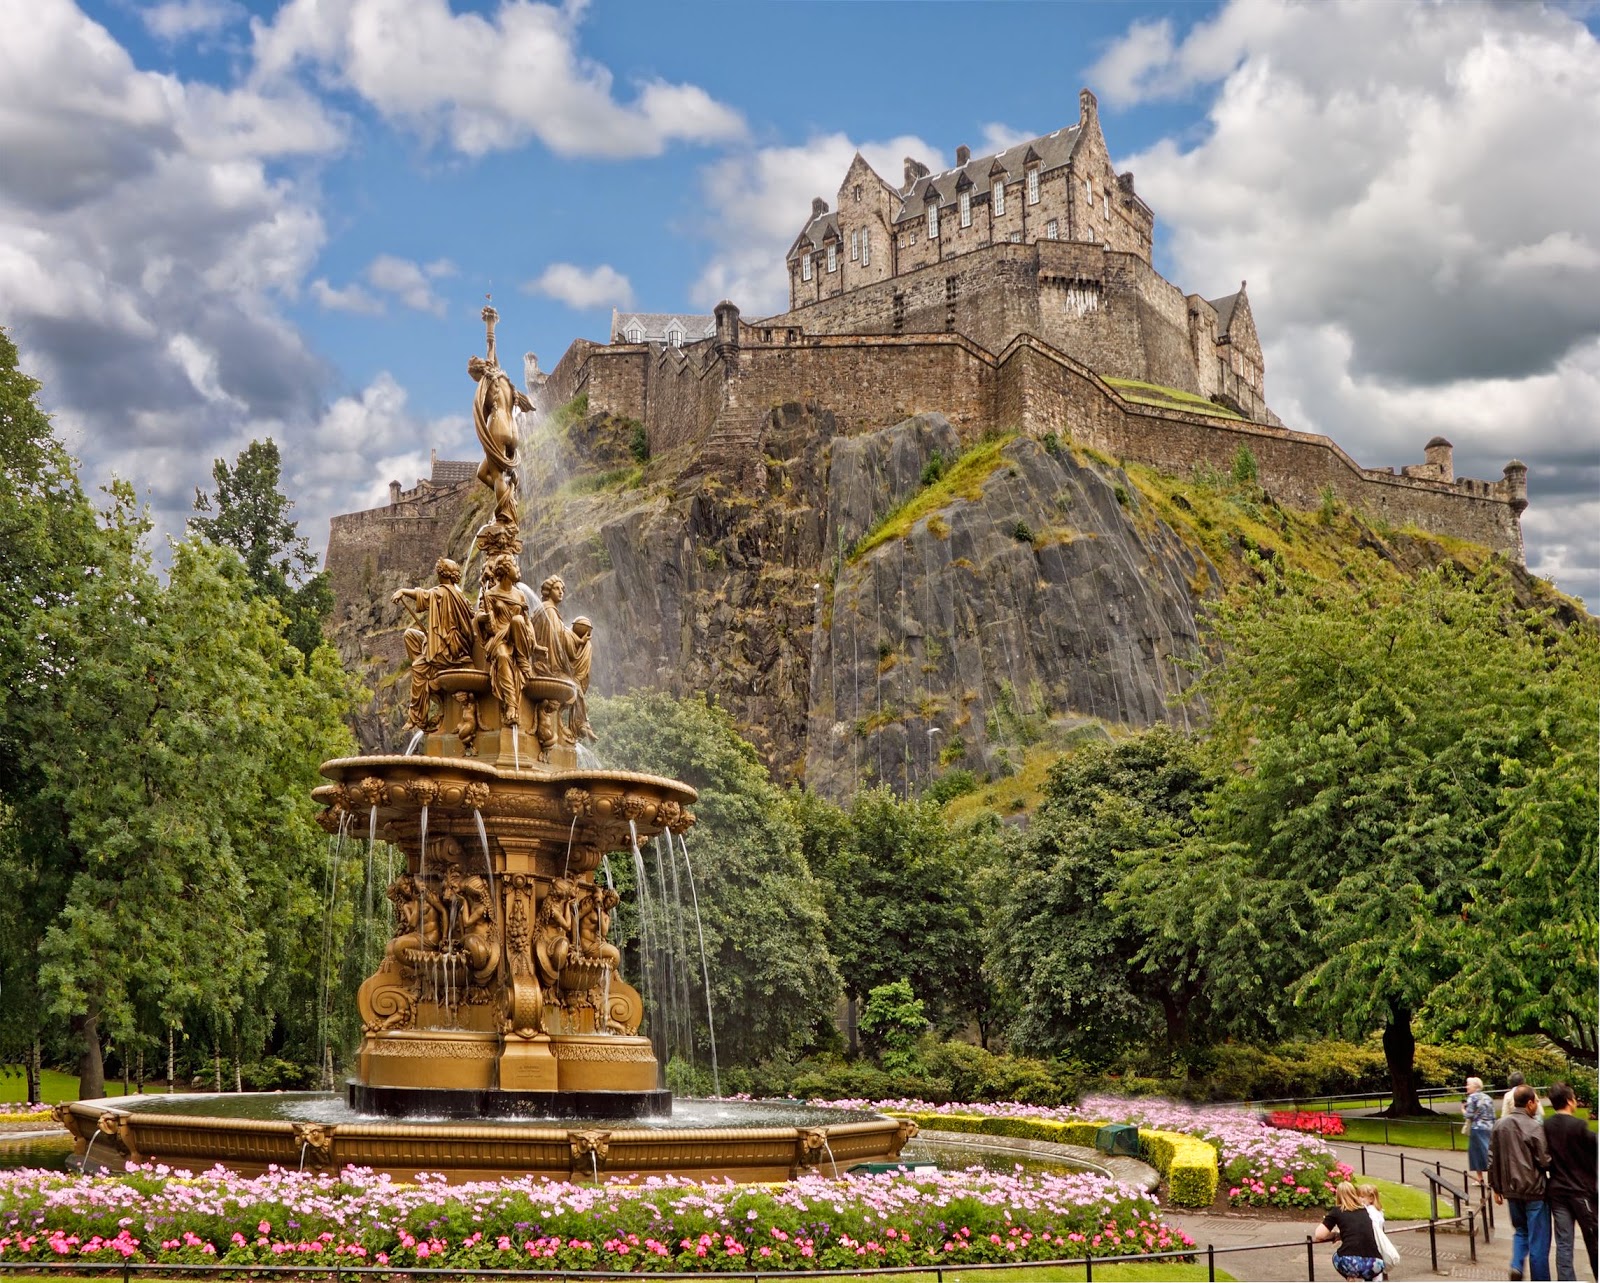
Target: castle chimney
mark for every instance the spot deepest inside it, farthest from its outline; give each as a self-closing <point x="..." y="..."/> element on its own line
<point x="394" y="493"/>
<point x="1088" y="108"/>
<point x="963" y="155"/>
<point x="819" y="207"/>
<point x="915" y="169"/>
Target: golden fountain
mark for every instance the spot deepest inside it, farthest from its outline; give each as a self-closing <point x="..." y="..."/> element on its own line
<point x="499" y="1000"/>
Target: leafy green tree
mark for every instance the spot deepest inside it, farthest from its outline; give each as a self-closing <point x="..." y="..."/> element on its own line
<point x="177" y="754"/>
<point x="891" y="1025"/>
<point x="252" y="518"/>
<point x="772" y="980"/>
<point x="900" y="900"/>
<point x="1064" y="935"/>
<point x="1403" y="804"/>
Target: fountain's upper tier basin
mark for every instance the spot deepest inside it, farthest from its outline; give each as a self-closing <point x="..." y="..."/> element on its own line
<point x="745" y="1141"/>
<point x="604" y="808"/>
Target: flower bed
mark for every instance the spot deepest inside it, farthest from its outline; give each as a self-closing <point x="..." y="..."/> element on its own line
<point x="1305" y="1120"/>
<point x="155" y="1214"/>
<point x="1259" y="1165"/>
<point x="22" y="1112"/>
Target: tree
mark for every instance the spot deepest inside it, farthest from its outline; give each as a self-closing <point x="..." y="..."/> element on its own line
<point x="900" y="902"/>
<point x="252" y="518"/>
<point x="1396" y="758"/>
<point x="1065" y="936"/>
<point x="772" y="979"/>
<point x="177" y="753"/>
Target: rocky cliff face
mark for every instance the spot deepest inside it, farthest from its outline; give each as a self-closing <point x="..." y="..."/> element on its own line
<point x="1029" y="591"/>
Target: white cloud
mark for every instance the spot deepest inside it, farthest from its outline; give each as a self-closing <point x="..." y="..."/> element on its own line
<point x="185" y="19"/>
<point x="352" y="298"/>
<point x="411" y="283"/>
<point x="486" y="83"/>
<point x="148" y="237"/>
<point x="1413" y="193"/>
<point x="582" y="288"/>
<point x="761" y="200"/>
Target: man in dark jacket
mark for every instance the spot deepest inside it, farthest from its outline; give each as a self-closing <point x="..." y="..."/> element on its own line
<point x="1574" y="1158"/>
<point x="1518" y="1160"/>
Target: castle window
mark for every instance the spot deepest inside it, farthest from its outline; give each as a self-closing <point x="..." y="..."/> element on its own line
<point x="805" y="267"/>
<point x="1106" y="198"/>
<point x="674" y="337"/>
<point x="1088" y="192"/>
<point x="1052" y="230"/>
<point x="913" y="241"/>
<point x="833" y="257"/>
<point x="858" y="193"/>
<point x="1090" y="231"/>
<point x="998" y="199"/>
<point x="966" y="209"/>
<point x="933" y="220"/>
<point x="855" y="245"/>
<point x="1016" y="238"/>
<point x="1033" y="185"/>
<point x="634" y="334"/>
<point x="866" y="247"/>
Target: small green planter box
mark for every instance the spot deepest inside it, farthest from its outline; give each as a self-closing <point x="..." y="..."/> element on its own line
<point x="878" y="1169"/>
<point x="1118" y="1138"/>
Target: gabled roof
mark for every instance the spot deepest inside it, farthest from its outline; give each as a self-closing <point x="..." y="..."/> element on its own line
<point x="816" y="232"/>
<point x="1052" y="151"/>
<point x="1224" y="308"/>
<point x="656" y="325"/>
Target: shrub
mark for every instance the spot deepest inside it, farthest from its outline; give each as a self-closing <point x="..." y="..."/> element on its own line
<point x="951" y="784"/>
<point x="934" y="468"/>
<point x="639" y="443"/>
<point x="1022" y="532"/>
<point x="1245" y="471"/>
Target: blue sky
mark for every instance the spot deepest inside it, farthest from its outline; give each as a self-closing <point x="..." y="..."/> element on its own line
<point x="221" y="220"/>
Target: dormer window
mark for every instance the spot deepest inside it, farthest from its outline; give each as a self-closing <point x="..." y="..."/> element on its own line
<point x="1033" y="185"/>
<point x="966" y="209"/>
<point x="805" y="267"/>
<point x="998" y="198"/>
<point x="634" y="334"/>
<point x="933" y="220"/>
<point x="833" y="257"/>
<point x="674" y="337"/>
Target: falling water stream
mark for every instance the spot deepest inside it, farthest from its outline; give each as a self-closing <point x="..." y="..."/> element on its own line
<point x="705" y="971"/>
<point x="412" y="747"/>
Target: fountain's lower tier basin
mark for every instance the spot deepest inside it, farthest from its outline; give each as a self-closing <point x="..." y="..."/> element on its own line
<point x="250" y="1132"/>
<point x="456" y="1103"/>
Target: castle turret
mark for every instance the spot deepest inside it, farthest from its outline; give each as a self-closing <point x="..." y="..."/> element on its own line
<point x="1516" y="475"/>
<point x="1439" y="455"/>
<point x="727" y="328"/>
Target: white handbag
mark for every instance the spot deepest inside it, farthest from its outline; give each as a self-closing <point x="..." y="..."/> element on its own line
<point x="1386" y="1247"/>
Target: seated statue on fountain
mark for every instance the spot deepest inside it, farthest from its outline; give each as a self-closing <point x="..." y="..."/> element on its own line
<point x="444" y="640"/>
<point x="567" y="653"/>
<point x="509" y="645"/>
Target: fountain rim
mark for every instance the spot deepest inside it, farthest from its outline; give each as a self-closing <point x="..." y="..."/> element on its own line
<point x="334" y="769"/>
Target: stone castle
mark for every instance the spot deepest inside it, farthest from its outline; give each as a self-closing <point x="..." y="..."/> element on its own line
<point x="1014" y="290"/>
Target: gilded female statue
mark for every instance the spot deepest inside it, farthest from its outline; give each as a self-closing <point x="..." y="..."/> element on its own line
<point x="508" y="642"/>
<point x="493" y="415"/>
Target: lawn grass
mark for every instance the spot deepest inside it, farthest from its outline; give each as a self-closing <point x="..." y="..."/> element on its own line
<point x="54" y="1087"/>
<point x="1400" y="1202"/>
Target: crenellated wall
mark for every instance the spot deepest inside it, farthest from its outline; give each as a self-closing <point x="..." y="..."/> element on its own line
<point x="716" y="393"/>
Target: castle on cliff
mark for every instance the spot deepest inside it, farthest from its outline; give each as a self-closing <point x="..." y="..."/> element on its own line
<point x="1012" y="291"/>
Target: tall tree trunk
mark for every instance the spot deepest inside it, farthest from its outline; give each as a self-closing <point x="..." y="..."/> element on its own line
<point x="1399" y="1052"/>
<point x="35" y="1060"/>
<point x="91" y="1068"/>
<point x="139" y="1072"/>
<point x="171" y="1063"/>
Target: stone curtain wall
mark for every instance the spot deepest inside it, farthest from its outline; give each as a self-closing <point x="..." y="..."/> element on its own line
<point x="868" y="381"/>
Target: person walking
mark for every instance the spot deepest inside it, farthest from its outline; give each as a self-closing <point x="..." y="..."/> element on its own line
<point x="1477" y="1111"/>
<point x="1518" y="1160"/>
<point x="1513" y="1082"/>
<point x="1574" y="1159"/>
<point x="1357" y="1255"/>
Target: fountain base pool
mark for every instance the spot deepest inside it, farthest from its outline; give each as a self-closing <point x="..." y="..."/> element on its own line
<point x="251" y="1131"/>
